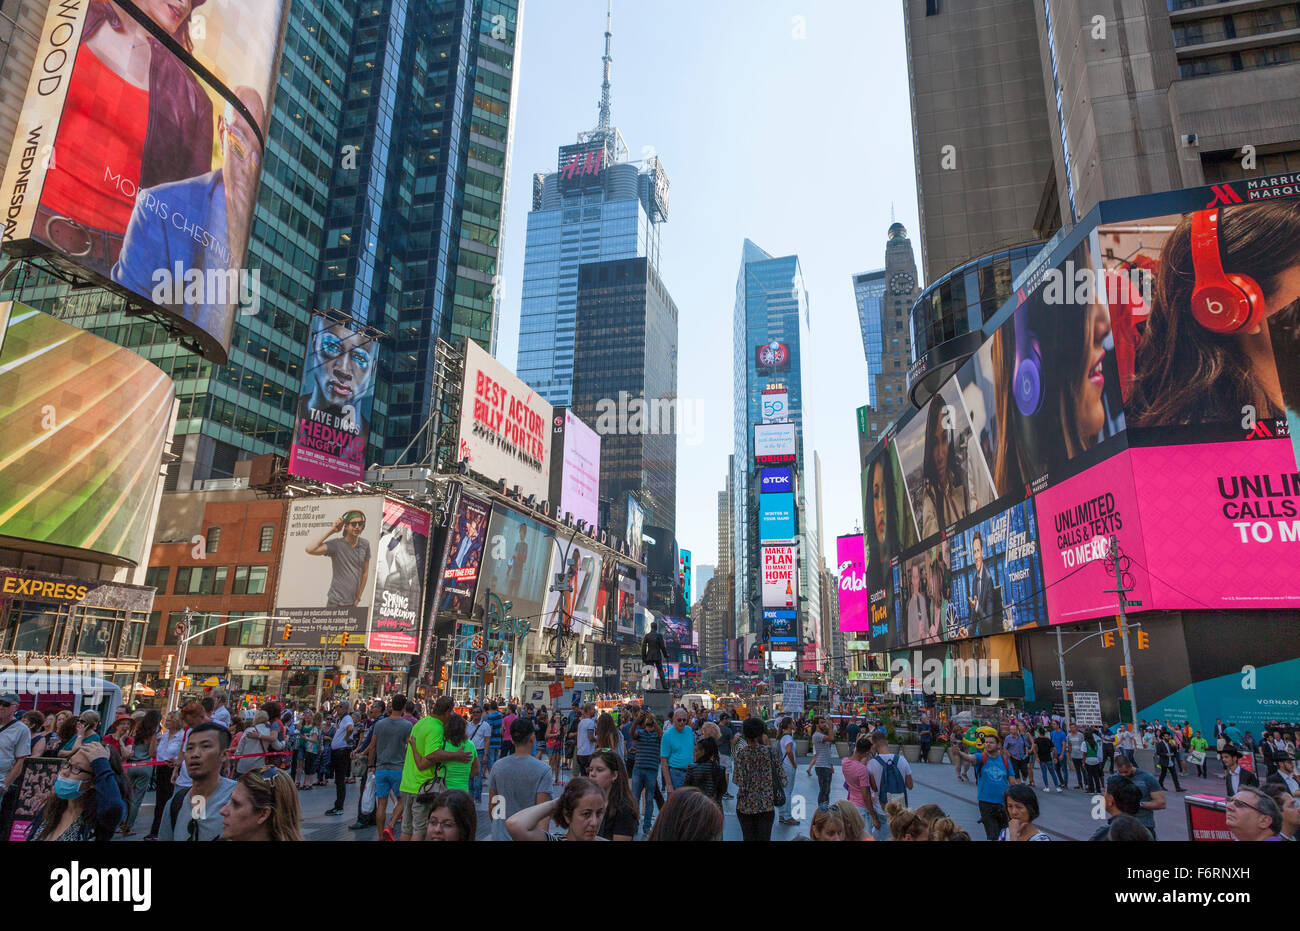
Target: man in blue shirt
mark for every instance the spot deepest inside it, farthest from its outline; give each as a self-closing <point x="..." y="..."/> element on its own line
<point x="494" y="718"/>
<point x="1153" y="797"/>
<point x="676" y="751"/>
<point x="993" y="774"/>
<point x="1062" y="759"/>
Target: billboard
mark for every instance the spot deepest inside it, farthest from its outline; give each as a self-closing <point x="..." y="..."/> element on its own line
<point x="781" y="625"/>
<point x="851" y="562"/>
<point x="780" y="577"/>
<point x="575" y="467"/>
<point x="774" y="443"/>
<point x="505" y="427"/>
<point x="465" y="540"/>
<point x="684" y="577"/>
<point x="399" y="579"/>
<point x="626" y="603"/>
<point x="84" y="422"/>
<point x="515" y="563"/>
<point x="776" y="405"/>
<point x="776" y="480"/>
<point x="772" y="356"/>
<point x="776" y="517"/>
<point x="582" y="572"/>
<point x="1124" y="390"/>
<point x="140" y="169"/>
<point x="332" y="422"/>
<point x="635" y="527"/>
<point x="338" y="535"/>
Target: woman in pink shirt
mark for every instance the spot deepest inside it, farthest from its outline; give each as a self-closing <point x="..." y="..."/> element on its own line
<point x="857" y="782"/>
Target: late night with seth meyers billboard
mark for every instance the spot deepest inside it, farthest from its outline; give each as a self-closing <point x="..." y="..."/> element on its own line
<point x="1136" y="386"/>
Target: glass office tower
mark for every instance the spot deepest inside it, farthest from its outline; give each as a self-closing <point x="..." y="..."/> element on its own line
<point x="771" y="307"/>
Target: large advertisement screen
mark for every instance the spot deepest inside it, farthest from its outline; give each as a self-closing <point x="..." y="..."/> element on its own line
<point x="776" y="518"/>
<point x="139" y="151"/>
<point x="635" y="528"/>
<point x="780" y="577"/>
<point x="515" y="561"/>
<point x="774" y="442"/>
<point x="851" y="562"/>
<point x="83" y="422"/>
<point x="573" y="610"/>
<point x="332" y="422"/>
<point x="505" y="427"/>
<point x="465" y="542"/>
<point x="399" y="579"/>
<point x="328" y="570"/>
<point x="1129" y="388"/>
<point x="579" y="464"/>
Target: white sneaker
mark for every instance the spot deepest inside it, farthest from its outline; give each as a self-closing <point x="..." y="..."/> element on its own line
<point x="1059" y="789"/>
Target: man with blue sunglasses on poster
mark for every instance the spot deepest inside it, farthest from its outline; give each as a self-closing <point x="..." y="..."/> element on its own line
<point x="341" y="372"/>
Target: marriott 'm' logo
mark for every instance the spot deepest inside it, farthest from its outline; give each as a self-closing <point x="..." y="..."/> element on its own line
<point x="1223" y="194"/>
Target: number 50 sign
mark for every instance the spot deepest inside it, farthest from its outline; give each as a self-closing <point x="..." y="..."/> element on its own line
<point x="776" y="405"/>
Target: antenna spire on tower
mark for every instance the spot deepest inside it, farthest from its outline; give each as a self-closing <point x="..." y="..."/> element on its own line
<point x="603" y="124"/>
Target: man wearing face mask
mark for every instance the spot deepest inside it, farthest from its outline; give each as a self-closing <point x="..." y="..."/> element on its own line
<point x="196" y="813"/>
<point x="87" y="801"/>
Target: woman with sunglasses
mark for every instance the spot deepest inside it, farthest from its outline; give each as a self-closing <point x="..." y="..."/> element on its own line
<point x="86" y="802"/>
<point x="263" y="806"/>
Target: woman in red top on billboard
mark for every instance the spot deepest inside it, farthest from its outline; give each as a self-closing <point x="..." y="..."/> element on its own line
<point x="134" y="117"/>
<point x="1224" y="329"/>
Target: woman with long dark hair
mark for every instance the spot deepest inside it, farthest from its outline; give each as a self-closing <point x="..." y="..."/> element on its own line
<point x="133" y="108"/>
<point x="944" y="499"/>
<point x="606" y="769"/>
<point x="1071" y="414"/>
<point x="1183" y="372"/>
<point x="688" y="815"/>
<point x="579" y="809"/>
<point x="87" y="801"/>
<point x="141" y="774"/>
<point x="884" y="529"/>
<point x="453" y="817"/>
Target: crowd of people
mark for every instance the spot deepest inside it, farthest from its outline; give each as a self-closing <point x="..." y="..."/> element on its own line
<point x="583" y="773"/>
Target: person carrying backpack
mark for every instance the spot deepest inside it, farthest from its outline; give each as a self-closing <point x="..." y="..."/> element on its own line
<point x="993" y="774"/>
<point x="891" y="778"/>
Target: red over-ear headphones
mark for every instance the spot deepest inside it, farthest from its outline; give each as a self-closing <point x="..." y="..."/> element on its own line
<point x="1221" y="302"/>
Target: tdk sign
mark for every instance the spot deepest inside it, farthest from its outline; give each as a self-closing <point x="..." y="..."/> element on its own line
<point x="776" y="480"/>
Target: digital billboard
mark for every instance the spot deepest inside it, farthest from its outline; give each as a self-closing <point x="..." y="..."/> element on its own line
<point x="505" y="427"/>
<point x="138" y="152"/>
<point x="775" y="480"/>
<point x="575" y="467"/>
<point x="774" y="443"/>
<point x="635" y="527"/>
<point x="772" y="356"/>
<point x="1128" y="388"/>
<point x="776" y="405"/>
<point x="780" y="577"/>
<point x="776" y="517"/>
<point x="84" y="422"/>
<point x="780" y="625"/>
<point x="851" y="563"/>
<point x="626" y="603"/>
<point x="332" y="421"/>
<point x="577" y="607"/>
<point x="399" y="579"/>
<point x="465" y="541"/>
<point x="338" y="535"/>
<point x="515" y="562"/>
<point x="684" y="576"/>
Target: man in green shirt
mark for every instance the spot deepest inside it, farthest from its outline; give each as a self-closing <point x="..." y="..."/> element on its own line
<point x="1200" y="745"/>
<point x="426" y="736"/>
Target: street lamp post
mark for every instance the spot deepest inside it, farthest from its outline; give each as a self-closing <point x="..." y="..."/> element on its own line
<point x="183" y="638"/>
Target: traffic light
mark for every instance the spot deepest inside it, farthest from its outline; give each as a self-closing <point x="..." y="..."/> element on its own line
<point x="1144" y="640"/>
<point x="288" y="629"/>
<point x="1108" y="638"/>
<point x="1123" y="671"/>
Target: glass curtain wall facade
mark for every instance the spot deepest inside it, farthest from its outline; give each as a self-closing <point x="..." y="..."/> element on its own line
<point x="771" y="304"/>
<point x="869" y="294"/>
<point x="626" y="349"/>
<point x="413" y="238"/>
<point x="614" y="220"/>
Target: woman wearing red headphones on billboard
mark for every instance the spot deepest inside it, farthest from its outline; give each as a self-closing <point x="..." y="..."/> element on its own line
<point x="1224" y="327"/>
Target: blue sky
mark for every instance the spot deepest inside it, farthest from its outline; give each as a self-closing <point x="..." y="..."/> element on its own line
<point x="800" y="143"/>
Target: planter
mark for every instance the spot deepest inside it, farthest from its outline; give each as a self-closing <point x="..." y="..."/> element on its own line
<point x="842" y="748"/>
<point x="936" y="754"/>
<point x="800" y="747"/>
<point x="912" y="753"/>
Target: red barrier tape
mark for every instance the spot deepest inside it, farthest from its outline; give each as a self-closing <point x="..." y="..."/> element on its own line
<point x="238" y="756"/>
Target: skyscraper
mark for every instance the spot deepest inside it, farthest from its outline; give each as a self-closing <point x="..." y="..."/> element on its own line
<point x="596" y="206"/>
<point x="625" y="385"/>
<point x="771" y="326"/>
<point x="884" y="299"/>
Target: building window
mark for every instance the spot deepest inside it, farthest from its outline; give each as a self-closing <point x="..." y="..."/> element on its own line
<point x="197" y="580"/>
<point x="133" y="642"/>
<point x="156" y="578"/>
<point x="267" y="538"/>
<point x="250" y="633"/>
<point x="151" y="634"/>
<point x="249" y="580"/>
<point x="214" y="539"/>
<point x="35" y="629"/>
<point x="97" y="635"/>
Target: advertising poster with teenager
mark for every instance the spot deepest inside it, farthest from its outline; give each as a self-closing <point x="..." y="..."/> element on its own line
<point x="399" y="579"/>
<point x="142" y="140"/>
<point x="332" y="421"/>
<point x="327" y="576"/>
<point x="464" y="556"/>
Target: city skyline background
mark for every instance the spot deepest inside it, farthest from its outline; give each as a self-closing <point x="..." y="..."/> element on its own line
<point x="771" y="154"/>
